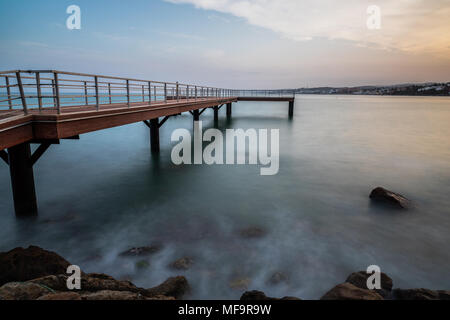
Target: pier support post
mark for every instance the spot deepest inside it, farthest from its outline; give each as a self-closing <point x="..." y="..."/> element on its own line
<point x="291" y="109"/>
<point x="229" y="110"/>
<point x="216" y="113"/>
<point x="154" y="135"/>
<point x="196" y="114"/>
<point x="22" y="180"/>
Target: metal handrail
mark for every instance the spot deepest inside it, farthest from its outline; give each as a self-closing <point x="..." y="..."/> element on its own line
<point x="52" y="89"/>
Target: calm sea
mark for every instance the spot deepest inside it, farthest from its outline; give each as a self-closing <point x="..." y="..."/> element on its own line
<point x="105" y="193"/>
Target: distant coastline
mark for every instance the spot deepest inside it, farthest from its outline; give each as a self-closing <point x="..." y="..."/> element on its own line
<point x="424" y="89"/>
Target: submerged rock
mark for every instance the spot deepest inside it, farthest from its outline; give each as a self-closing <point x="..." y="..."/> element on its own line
<point x="143" y="264"/>
<point x="182" y="264"/>
<point x="240" y="284"/>
<point x="259" y="295"/>
<point x="277" y="278"/>
<point x="348" y="291"/>
<point x="141" y="251"/>
<point x="359" y="279"/>
<point x="33" y="262"/>
<point x="253" y="232"/>
<point x="396" y="200"/>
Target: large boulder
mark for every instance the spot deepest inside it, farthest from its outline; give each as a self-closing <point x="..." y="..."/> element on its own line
<point x="359" y="279"/>
<point x="22" y="264"/>
<point x="420" y="294"/>
<point x="348" y="291"/>
<point x="393" y="199"/>
<point x="175" y="287"/>
<point x="22" y="291"/>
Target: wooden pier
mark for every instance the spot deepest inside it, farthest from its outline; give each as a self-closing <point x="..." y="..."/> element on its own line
<point x="45" y="106"/>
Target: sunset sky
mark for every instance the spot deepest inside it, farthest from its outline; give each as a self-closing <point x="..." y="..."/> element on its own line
<point x="233" y="43"/>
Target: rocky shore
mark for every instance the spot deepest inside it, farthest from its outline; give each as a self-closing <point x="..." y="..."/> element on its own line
<point x="37" y="274"/>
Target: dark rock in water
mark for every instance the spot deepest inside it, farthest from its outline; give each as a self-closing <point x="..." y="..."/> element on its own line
<point x="61" y="296"/>
<point x="22" y="291"/>
<point x="252" y="232"/>
<point x="259" y="295"/>
<point x="22" y="264"/>
<point x="444" y="294"/>
<point x="141" y="251"/>
<point x="359" y="279"/>
<point x="417" y="294"/>
<point x="182" y="264"/>
<point x="277" y="278"/>
<point x="347" y="291"/>
<point x="382" y="195"/>
<point x="175" y="287"/>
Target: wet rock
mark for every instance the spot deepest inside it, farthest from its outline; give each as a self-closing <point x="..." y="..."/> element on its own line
<point x="359" y="279"/>
<point x="415" y="294"/>
<point x="22" y="264"/>
<point x="347" y="291"/>
<point x="112" y="295"/>
<point x="259" y="295"/>
<point x="141" y="251"/>
<point x="396" y="200"/>
<point x="22" y="291"/>
<point x="253" y="232"/>
<point x="61" y="296"/>
<point x="444" y="294"/>
<point x="175" y="287"/>
<point x="277" y="278"/>
<point x="240" y="284"/>
<point x="182" y="264"/>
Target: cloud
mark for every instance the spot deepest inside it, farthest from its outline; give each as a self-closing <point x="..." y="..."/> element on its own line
<point x="416" y="26"/>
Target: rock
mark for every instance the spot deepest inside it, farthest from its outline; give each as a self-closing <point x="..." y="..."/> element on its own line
<point x="255" y="295"/>
<point x="240" y="284"/>
<point x="444" y="294"/>
<point x="22" y="291"/>
<point x="382" y="195"/>
<point x="182" y="264"/>
<point x="415" y="294"/>
<point x="112" y="295"/>
<point x="277" y="278"/>
<point x="259" y="295"/>
<point x="22" y="264"/>
<point x="359" y="279"/>
<point x="175" y="287"/>
<point x="141" y="251"/>
<point x="347" y="291"/>
<point x="61" y="296"/>
<point x="252" y="232"/>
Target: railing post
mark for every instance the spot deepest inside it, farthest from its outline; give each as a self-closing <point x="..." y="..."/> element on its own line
<point x="143" y="92"/>
<point x="128" y="93"/>
<point x="38" y="89"/>
<point x="149" y="92"/>
<point x="195" y="93"/>
<point x="97" y="100"/>
<point x="22" y="93"/>
<point x="165" y="92"/>
<point x="109" y="93"/>
<point x="187" y="93"/>
<point x="178" y="97"/>
<point x="86" y="98"/>
<point x="8" y="92"/>
<point x="58" y="103"/>
<point x="154" y="92"/>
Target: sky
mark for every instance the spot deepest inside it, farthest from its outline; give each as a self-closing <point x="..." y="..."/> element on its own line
<point x="233" y="43"/>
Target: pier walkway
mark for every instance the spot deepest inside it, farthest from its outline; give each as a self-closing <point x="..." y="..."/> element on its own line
<point x="44" y="106"/>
